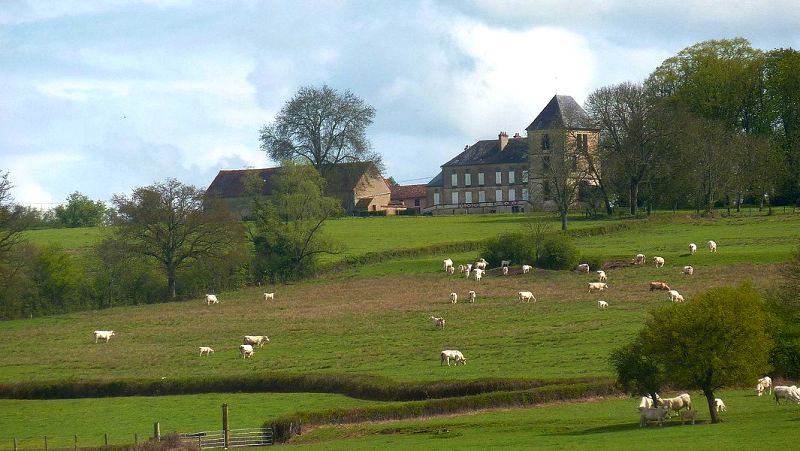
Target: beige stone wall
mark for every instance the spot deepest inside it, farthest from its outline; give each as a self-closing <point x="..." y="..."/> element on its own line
<point x="489" y="186"/>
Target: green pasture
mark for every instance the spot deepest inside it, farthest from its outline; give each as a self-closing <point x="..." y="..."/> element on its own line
<point x="750" y="423"/>
<point x="30" y="420"/>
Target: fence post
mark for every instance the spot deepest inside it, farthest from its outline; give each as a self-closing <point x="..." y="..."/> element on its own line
<point x="157" y="431"/>
<point x="15" y="444"/>
<point x="105" y="439"/>
<point x="135" y="438"/>
<point x="225" y="431"/>
<point x="75" y="443"/>
<point x="45" y="443"/>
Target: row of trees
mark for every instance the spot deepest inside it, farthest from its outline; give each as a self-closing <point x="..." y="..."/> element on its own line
<point x="166" y="241"/>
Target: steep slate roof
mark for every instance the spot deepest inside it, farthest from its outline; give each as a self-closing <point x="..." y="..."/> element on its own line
<point x="341" y="178"/>
<point x="437" y="181"/>
<point x="488" y="152"/>
<point x="408" y="192"/>
<point x="562" y="112"/>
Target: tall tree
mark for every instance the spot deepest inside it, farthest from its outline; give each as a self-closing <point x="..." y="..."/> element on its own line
<point x="80" y="211"/>
<point x="321" y="127"/>
<point x="782" y="91"/>
<point x="175" y="224"/>
<point x="287" y="233"/>
<point x="718" y="339"/>
<point x="630" y="128"/>
<point x="11" y="220"/>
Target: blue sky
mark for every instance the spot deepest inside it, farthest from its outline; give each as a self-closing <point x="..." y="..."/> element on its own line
<point x="102" y="97"/>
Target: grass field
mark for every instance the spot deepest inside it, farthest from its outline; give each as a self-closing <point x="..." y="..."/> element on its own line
<point x="373" y="320"/>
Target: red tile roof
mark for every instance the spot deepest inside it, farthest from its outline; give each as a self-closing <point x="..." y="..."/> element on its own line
<point x="408" y="192"/>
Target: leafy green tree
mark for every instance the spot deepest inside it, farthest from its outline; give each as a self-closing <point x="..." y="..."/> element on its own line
<point x="782" y="92"/>
<point x="638" y="371"/>
<point x="12" y="222"/>
<point x="59" y="282"/>
<point x="80" y="211"/>
<point x="717" y="339"/>
<point x="287" y="232"/>
<point x="322" y="127"/>
<point x="175" y="225"/>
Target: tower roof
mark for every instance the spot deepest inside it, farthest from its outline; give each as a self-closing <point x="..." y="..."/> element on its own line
<point x="562" y="112"/>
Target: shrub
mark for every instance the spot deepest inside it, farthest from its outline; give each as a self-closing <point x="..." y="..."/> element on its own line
<point x="509" y="246"/>
<point x="594" y="262"/>
<point x="558" y="252"/>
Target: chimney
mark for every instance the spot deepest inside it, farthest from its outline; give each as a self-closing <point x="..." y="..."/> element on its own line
<point x="503" y="137"/>
<point x="516" y="135"/>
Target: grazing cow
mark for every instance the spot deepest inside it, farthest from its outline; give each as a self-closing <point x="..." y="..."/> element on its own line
<point x="601" y="276"/>
<point x="471" y="295"/>
<point x="255" y="340"/>
<point x="481" y="264"/>
<point x="269" y="296"/>
<point x="246" y="351"/>
<point x="448" y="263"/>
<point x="597" y="286"/>
<point x="678" y="403"/>
<point x="451" y="270"/>
<point x="692" y="248"/>
<point x="478" y="273"/>
<point x="688" y="415"/>
<point x="652" y="414"/>
<point x="468" y="269"/>
<point x="103" y="335"/>
<point x="688" y="270"/>
<point x="453" y="297"/>
<point x="602" y="304"/>
<point x="786" y="392"/>
<point x="505" y="263"/>
<point x="638" y="259"/>
<point x="461" y="269"/>
<point x="211" y="299"/>
<point x="583" y="267"/>
<point x="206" y="349"/>
<point x="674" y="296"/>
<point x="719" y="406"/>
<point x="454" y="355"/>
<point x="659" y="286"/>
<point x="712" y="246"/>
<point x="659" y="261"/>
<point x="647" y="402"/>
<point x="505" y="270"/>
<point x="526" y="269"/>
<point x="525" y="296"/>
<point x="438" y="322"/>
<point x="763" y="384"/>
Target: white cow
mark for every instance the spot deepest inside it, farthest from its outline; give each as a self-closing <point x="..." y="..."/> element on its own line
<point x="720" y="406"/>
<point x="786" y="392"/>
<point x="674" y="296"/>
<point x="638" y="259"/>
<point x="597" y="286"/>
<point x="712" y="246"/>
<point x="451" y="270"/>
<point x="478" y="273"/>
<point x="453" y="297"/>
<point x="450" y="354"/>
<point x="505" y="262"/>
<point x="246" y="351"/>
<point x="448" y="263"/>
<point x="601" y="276"/>
<point x="481" y="264"/>
<point x="688" y="270"/>
<point x="659" y="261"/>
<point x="763" y="384"/>
<point x="652" y="414"/>
<point x="211" y="299"/>
<point x="692" y="248"/>
<point x="269" y="296"/>
<point x="438" y="322"/>
<point x="525" y="296"/>
<point x="103" y="335"/>
<point x="526" y="269"/>
<point x="255" y="340"/>
<point x="682" y="401"/>
<point x="647" y="402"/>
<point x="505" y="270"/>
<point x="471" y="295"/>
<point x="205" y="349"/>
<point x="583" y="267"/>
<point x="602" y="304"/>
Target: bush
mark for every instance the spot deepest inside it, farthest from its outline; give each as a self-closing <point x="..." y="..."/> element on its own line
<point x="595" y="263"/>
<point x="558" y="252"/>
<point x="510" y="246"/>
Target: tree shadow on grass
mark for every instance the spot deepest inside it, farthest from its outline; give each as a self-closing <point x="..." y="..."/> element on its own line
<point x="624" y="427"/>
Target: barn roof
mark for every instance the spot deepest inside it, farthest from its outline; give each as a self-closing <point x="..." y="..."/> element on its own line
<point x="400" y="192"/>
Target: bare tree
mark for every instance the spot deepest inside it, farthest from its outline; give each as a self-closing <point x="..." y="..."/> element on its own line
<point x="12" y="222"/>
<point x="321" y="127"/>
<point x="175" y="224"/>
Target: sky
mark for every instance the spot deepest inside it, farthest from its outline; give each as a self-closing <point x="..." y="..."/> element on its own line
<point x="102" y="97"/>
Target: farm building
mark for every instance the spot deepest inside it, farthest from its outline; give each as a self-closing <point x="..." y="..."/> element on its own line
<point x="410" y="196"/>
<point x="510" y="174"/>
<point x="358" y="186"/>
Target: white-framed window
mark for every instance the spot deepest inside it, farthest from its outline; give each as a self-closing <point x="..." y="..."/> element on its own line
<point x="468" y="197"/>
<point x="498" y="195"/>
<point x="455" y="197"/>
<point x="525" y="176"/>
<point x="512" y="194"/>
<point x="510" y="178"/>
<point x="454" y="179"/>
<point x="480" y="178"/>
<point x="481" y="196"/>
<point x="467" y="179"/>
<point x="437" y="199"/>
<point x="525" y="194"/>
<point x="498" y="177"/>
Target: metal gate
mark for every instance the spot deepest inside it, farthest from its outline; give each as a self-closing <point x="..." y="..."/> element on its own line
<point x="237" y="438"/>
